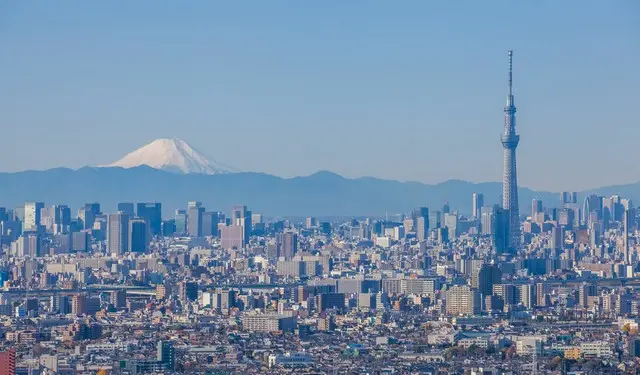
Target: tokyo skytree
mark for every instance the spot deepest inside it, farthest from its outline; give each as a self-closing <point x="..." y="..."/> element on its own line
<point x="510" y="142"/>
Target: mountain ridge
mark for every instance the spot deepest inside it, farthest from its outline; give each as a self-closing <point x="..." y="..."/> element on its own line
<point x="319" y="194"/>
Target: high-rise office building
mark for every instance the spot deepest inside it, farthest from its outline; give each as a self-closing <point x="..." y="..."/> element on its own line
<point x="138" y="235"/>
<point x="422" y="228"/>
<point x="501" y="229"/>
<point x="232" y="236"/>
<point x="586" y="211"/>
<point x="477" y="204"/>
<point x="168" y="228"/>
<point x="568" y="197"/>
<point x="451" y="223"/>
<point x="128" y="208"/>
<point x="166" y="354"/>
<point x="88" y="213"/>
<point x="27" y="245"/>
<point x="181" y="221"/>
<point x="242" y="217"/>
<point x="536" y="207"/>
<point x="311" y="222"/>
<point x="510" y="142"/>
<point x="626" y="226"/>
<point x="256" y="219"/>
<point x="557" y="238"/>
<point x="118" y="233"/>
<point x="486" y="277"/>
<point x="486" y="221"/>
<point x="152" y="213"/>
<point x="435" y="220"/>
<point x="32" y="211"/>
<point x="420" y="221"/>
<point x="289" y="246"/>
<point x="210" y="221"/>
<point x="62" y="219"/>
<point x="194" y="218"/>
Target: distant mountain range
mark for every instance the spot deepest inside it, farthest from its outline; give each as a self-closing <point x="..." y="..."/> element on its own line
<point x="320" y="194"/>
<point x="172" y="172"/>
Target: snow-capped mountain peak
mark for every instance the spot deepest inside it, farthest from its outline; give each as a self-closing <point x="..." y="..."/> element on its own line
<point x="174" y="155"/>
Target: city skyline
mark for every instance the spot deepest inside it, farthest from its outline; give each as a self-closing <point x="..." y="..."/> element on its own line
<point x="209" y="92"/>
<point x="287" y="187"/>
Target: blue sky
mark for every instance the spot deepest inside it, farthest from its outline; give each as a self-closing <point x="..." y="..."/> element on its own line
<point x="408" y="90"/>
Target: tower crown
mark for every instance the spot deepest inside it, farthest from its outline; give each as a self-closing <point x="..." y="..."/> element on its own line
<point x="510" y="106"/>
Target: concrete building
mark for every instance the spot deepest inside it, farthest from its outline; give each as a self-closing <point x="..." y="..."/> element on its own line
<point x="461" y="299"/>
<point x="268" y="323"/>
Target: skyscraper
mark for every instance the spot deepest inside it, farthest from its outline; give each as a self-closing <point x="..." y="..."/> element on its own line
<point x="127" y="208"/>
<point x="501" y="227"/>
<point x="626" y="226"/>
<point x="32" y="216"/>
<point x="510" y="142"/>
<point x="242" y="217"/>
<point x="118" y="233"/>
<point x="435" y="219"/>
<point x="478" y="202"/>
<point x="289" y="245"/>
<point x="181" y="221"/>
<point x="536" y="207"/>
<point x="486" y="277"/>
<point x="138" y="235"/>
<point x="88" y="214"/>
<point x="152" y="214"/>
<point x="210" y="222"/>
<point x="194" y="219"/>
<point x="422" y="228"/>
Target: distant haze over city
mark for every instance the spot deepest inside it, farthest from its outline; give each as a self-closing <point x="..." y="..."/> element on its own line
<point x="171" y="171"/>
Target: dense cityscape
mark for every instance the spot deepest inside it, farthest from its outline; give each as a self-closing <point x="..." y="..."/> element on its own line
<point x="434" y="290"/>
<point x="167" y="261"/>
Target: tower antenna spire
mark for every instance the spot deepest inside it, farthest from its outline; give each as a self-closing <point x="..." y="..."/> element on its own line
<point x="510" y="72"/>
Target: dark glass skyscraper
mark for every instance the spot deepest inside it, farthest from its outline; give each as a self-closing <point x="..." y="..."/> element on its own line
<point x="181" y="221"/>
<point x="152" y="214"/>
<point x="138" y="235"/>
<point x="127" y="208"/>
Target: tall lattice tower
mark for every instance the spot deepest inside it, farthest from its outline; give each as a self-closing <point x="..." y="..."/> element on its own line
<point x="510" y="142"/>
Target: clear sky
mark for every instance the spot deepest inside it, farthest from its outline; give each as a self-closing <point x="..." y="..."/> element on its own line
<point x="408" y="90"/>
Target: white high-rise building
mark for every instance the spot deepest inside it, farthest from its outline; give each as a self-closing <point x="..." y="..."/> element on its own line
<point x="478" y="202"/>
<point x="118" y="233"/>
<point x="32" y="215"/>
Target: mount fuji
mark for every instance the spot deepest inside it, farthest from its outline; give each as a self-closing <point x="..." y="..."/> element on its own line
<point x="172" y="155"/>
